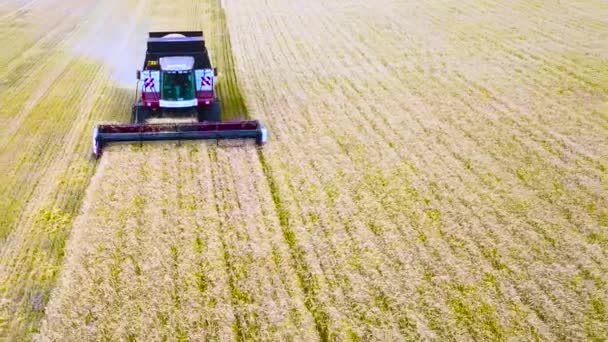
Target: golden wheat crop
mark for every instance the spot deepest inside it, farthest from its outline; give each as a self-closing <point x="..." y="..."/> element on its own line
<point x="436" y="170"/>
<point x="53" y="87"/>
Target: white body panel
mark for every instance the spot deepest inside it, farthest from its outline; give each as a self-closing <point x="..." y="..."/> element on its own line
<point x="176" y="63"/>
<point x="204" y="79"/>
<point x="150" y="81"/>
<point x="95" y="144"/>
<point x="179" y="104"/>
<point x="264" y="138"/>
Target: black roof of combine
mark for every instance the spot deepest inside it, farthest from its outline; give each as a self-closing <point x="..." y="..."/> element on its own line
<point x="172" y="44"/>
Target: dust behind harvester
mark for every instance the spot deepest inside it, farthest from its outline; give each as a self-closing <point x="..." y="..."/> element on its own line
<point x="177" y="81"/>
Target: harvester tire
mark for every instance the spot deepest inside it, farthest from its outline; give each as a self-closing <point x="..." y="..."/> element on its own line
<point x="140" y="114"/>
<point x="211" y="114"/>
<point x="133" y="111"/>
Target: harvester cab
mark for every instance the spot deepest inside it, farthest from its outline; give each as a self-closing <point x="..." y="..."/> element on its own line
<point x="177" y="80"/>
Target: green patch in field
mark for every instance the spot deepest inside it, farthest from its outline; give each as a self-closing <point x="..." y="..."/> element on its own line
<point x="517" y="206"/>
<point x="492" y="255"/>
<point x="138" y="202"/>
<point x="599" y="237"/>
<point x="52" y="223"/>
<point x="434" y="215"/>
<point x="312" y="217"/>
<point x="598" y="309"/>
<point x="526" y="174"/>
<point x="603" y="219"/>
<point x="596" y="73"/>
<point x="587" y="274"/>
<point x="421" y="236"/>
<point x="604" y="181"/>
<point x="596" y="319"/>
<point x="490" y="179"/>
<point x="198" y="245"/>
<point x="354" y="260"/>
<point x="375" y="227"/>
<point x="228" y="90"/>
<point x="479" y="318"/>
<point x="468" y="164"/>
<point x="331" y="191"/>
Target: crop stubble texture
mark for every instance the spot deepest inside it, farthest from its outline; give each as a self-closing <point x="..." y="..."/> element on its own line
<point x="436" y="170"/>
<point x="442" y="166"/>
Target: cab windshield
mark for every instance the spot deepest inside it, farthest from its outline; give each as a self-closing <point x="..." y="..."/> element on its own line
<point x="177" y="86"/>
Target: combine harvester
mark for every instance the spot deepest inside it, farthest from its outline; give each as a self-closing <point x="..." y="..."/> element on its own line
<point x="177" y="81"/>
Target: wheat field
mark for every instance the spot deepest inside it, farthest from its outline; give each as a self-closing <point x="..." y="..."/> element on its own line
<point x="53" y="87"/>
<point x="437" y="170"/>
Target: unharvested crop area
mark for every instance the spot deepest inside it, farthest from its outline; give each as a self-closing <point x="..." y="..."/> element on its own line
<point x="436" y="170"/>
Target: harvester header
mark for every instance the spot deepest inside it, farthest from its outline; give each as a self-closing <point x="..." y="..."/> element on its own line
<point x="104" y="134"/>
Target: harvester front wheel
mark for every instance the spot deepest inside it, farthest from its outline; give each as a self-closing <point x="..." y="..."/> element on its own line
<point x="139" y="114"/>
<point x="211" y="114"/>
